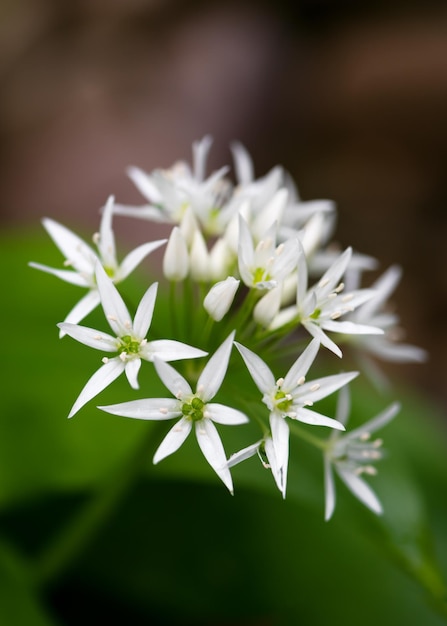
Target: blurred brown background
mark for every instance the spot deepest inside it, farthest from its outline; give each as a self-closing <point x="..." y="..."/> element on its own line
<point x="351" y="100"/>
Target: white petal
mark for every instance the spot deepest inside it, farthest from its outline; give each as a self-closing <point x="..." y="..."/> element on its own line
<point x="170" y="350"/>
<point x="343" y="405"/>
<point x="220" y="297"/>
<point x="106" y="244"/>
<point x="245" y="252"/>
<point x="145" y="212"/>
<point x="360" y="489"/>
<point x="148" y="409"/>
<point x="287" y="260"/>
<point x="243" y="454"/>
<point x="280" y="436"/>
<point x="214" y="371"/>
<point x="74" y="249"/>
<point x="200" y="151"/>
<point x="213" y="450"/>
<point x="74" y="278"/>
<point x="173" y="381"/>
<point x="316" y="332"/>
<point x="85" y="305"/>
<point x="243" y="163"/>
<point x="323" y="386"/>
<point x="329" y="489"/>
<point x="134" y="258"/>
<point x="302" y="277"/>
<point x="301" y="366"/>
<point x="176" y="258"/>
<point x="279" y="473"/>
<point x="145" y="311"/>
<point x="377" y="422"/>
<point x="132" y="368"/>
<point x="350" y="328"/>
<point x="90" y="337"/>
<point x="99" y="381"/>
<point x="144" y="184"/>
<point x="222" y="414"/>
<point x="334" y="273"/>
<point x="173" y="440"/>
<point x="259" y="370"/>
<point x="114" y="308"/>
<point x="316" y="419"/>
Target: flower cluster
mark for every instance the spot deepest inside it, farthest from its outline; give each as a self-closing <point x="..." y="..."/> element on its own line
<point x="249" y="265"/>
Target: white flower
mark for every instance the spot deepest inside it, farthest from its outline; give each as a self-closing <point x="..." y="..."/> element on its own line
<point x="129" y="341"/>
<point x="82" y="260"/>
<point x="265" y="266"/>
<point x="193" y="408"/>
<point x="373" y="313"/>
<point x="319" y="308"/>
<point x="352" y="455"/>
<point x="291" y="397"/>
<point x="170" y="192"/>
<point x="220" y="297"/>
<point x="175" y="260"/>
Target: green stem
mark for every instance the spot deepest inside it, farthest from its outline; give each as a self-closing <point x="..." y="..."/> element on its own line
<point x="85" y="525"/>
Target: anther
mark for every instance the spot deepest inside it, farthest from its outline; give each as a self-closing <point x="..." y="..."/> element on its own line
<point x="340" y="287"/>
<point x="301" y="380"/>
<point x="112" y="318"/>
<point x="308" y="403"/>
<point x="68" y="263"/>
<point x="127" y="324"/>
<point x="97" y="337"/>
<point x="95" y="238"/>
<point x="200" y="389"/>
<point x="123" y="356"/>
<point x="336" y="315"/>
<point x="105" y="360"/>
<point x="323" y="282"/>
<point x="377" y="443"/>
<point x="315" y="387"/>
<point x="279" y="249"/>
<point x="280" y="382"/>
<point x="163" y="410"/>
<point x="347" y="297"/>
<point x="365" y="436"/>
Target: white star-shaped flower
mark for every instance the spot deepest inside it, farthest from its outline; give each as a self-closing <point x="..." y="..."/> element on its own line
<point x="319" y="308"/>
<point x="352" y="455"/>
<point x="266" y="265"/>
<point x="292" y="397"/>
<point x="193" y="408"/>
<point x="82" y="259"/>
<point x="171" y="191"/>
<point x="129" y="341"/>
<point x="374" y="313"/>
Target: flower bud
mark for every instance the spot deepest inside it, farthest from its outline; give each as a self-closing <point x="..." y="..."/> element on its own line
<point x="175" y="261"/>
<point x="220" y="298"/>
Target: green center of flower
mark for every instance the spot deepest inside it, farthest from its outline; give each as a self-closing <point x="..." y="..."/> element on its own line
<point x="259" y="275"/>
<point x="315" y="315"/>
<point x="283" y="401"/>
<point x="193" y="409"/>
<point x="129" y="345"/>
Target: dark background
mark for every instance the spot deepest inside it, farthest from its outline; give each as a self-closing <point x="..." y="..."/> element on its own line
<point x="351" y="100"/>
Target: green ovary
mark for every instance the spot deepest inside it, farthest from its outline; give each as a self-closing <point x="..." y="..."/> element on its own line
<point x="259" y="275"/>
<point x="194" y="409"/>
<point x="282" y="401"/>
<point x="129" y="345"/>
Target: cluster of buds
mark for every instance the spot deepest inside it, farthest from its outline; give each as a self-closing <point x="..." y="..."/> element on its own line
<point x="249" y="265"/>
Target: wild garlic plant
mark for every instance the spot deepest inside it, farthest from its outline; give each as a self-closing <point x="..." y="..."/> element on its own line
<point x="256" y="291"/>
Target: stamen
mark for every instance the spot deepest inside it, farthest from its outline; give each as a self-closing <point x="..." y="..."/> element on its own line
<point x="97" y="337"/>
<point x="68" y="263"/>
<point x="105" y="360"/>
<point x="336" y="315"/>
<point x="143" y="342"/>
<point x="308" y="403"/>
<point x="123" y="356"/>
<point x="127" y="324"/>
<point x="178" y="395"/>
<point x="279" y="249"/>
<point x="280" y="382"/>
<point x="288" y="396"/>
<point x="177" y="429"/>
<point x="206" y="414"/>
<point x="200" y="389"/>
<point x="112" y="318"/>
<point x="332" y="295"/>
<point x="292" y="414"/>
<point x="163" y="410"/>
<point x="340" y="287"/>
<point x="315" y="387"/>
<point x="377" y="443"/>
<point x="96" y="238"/>
<point x="347" y="297"/>
<point x="365" y="436"/>
<point x="261" y="245"/>
<point x="323" y="282"/>
<point x="301" y="380"/>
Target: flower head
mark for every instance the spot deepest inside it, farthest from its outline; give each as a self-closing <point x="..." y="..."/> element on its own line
<point x="194" y="409"/>
<point x="353" y="454"/>
<point x="129" y="342"/>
